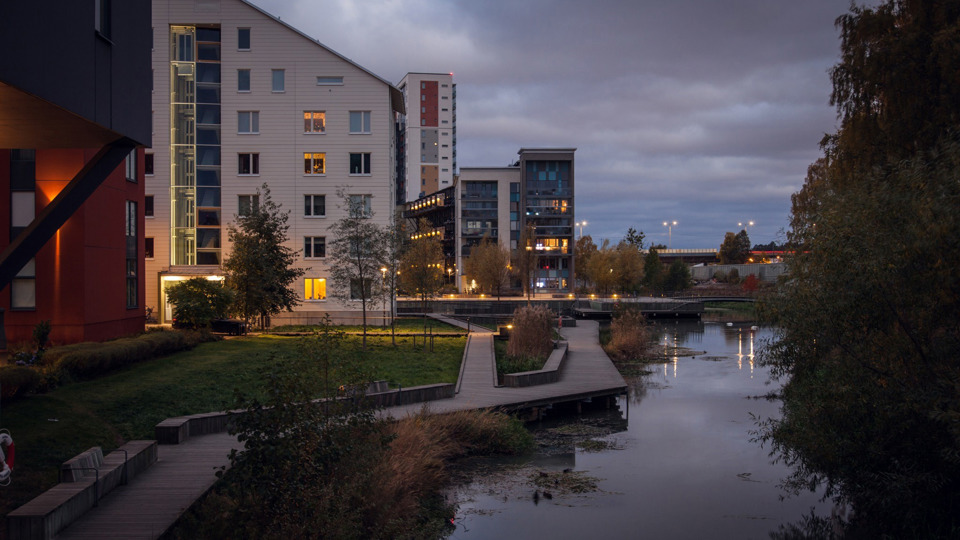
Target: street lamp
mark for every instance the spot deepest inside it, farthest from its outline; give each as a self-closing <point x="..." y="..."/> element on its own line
<point x="581" y="224"/>
<point x="749" y="224"/>
<point x="669" y="225"/>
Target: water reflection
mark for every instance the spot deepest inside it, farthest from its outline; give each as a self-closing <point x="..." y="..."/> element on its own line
<point x="685" y="468"/>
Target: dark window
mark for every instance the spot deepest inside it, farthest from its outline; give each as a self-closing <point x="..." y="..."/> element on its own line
<point x="131" y="260"/>
<point x="148" y="248"/>
<point x="148" y="164"/>
<point x="243" y="39"/>
<point x="148" y="205"/>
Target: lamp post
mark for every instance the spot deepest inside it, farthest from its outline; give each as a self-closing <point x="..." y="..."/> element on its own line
<point x="669" y="225"/>
<point x="581" y="224"/>
<point x="747" y="228"/>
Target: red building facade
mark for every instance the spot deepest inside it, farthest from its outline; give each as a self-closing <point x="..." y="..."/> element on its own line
<point x="88" y="279"/>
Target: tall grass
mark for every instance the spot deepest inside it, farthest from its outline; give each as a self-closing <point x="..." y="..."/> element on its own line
<point x="530" y="336"/>
<point x="629" y="336"/>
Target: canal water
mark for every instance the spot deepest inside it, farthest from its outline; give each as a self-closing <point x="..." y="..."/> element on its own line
<point x="675" y="461"/>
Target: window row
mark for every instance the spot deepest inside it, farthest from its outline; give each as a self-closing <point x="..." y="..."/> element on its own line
<point x="277" y="80"/>
<point x="314" y="206"/>
<point x="316" y="288"/>
<point x="314" y="163"/>
<point x="248" y="122"/>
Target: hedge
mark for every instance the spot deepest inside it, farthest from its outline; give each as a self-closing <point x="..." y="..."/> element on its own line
<point x="89" y="360"/>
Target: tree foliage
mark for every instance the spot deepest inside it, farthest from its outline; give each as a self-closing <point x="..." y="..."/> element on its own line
<point x="653" y="273"/>
<point x="735" y="248"/>
<point x="629" y="267"/>
<point x="635" y="238"/>
<point x="197" y="301"/>
<point x="584" y="250"/>
<point x="421" y="271"/>
<point x="489" y="265"/>
<point x="260" y="268"/>
<point x="868" y="320"/>
<point x="355" y="255"/>
<point x="677" y="277"/>
<point x="526" y="259"/>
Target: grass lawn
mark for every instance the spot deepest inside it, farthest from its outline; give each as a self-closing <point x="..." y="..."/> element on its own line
<point x="730" y="311"/>
<point x="125" y="405"/>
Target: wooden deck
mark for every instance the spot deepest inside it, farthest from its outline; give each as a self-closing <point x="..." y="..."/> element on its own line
<point x="150" y="504"/>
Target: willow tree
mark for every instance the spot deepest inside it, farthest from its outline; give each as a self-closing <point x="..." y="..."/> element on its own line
<point x="868" y="335"/>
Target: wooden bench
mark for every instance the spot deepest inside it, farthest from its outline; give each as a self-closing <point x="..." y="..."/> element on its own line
<point x="85" y="479"/>
<point x="549" y="374"/>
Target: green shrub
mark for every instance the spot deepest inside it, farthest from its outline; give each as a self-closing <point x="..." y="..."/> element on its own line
<point x="18" y="380"/>
<point x="197" y="301"/>
<point x="84" y="360"/>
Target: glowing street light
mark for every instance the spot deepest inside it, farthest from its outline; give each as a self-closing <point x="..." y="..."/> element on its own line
<point x="581" y="224"/>
<point x="747" y="228"/>
<point x="669" y="225"/>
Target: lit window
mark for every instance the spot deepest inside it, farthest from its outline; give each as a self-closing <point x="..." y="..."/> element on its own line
<point x="360" y="163"/>
<point x="314" y="247"/>
<point x="277" y="80"/>
<point x="315" y="289"/>
<point x="314" y="121"/>
<point x="243" y="80"/>
<point x="131" y="166"/>
<point x="248" y="122"/>
<point x="247" y="204"/>
<point x="359" y="121"/>
<point x="243" y="39"/>
<point x="314" y="205"/>
<point x="314" y="163"/>
<point x="249" y="164"/>
<point x="148" y="205"/>
<point x="329" y="81"/>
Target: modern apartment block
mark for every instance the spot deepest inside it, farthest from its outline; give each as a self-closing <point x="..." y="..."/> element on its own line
<point x="429" y="131"/>
<point x="501" y="202"/>
<point x="242" y="99"/>
<point x="74" y="115"/>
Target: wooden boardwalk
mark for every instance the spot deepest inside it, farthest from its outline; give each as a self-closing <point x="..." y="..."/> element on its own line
<point x="150" y="504"/>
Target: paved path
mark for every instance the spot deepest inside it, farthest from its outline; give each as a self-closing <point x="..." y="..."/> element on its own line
<point x="157" y="497"/>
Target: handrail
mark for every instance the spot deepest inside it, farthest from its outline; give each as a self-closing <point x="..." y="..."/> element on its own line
<point x="96" y="483"/>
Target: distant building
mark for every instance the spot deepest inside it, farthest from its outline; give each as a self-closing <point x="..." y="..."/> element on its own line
<point x="74" y="108"/>
<point x="499" y="203"/>
<point x="429" y="132"/>
<point x="242" y="99"/>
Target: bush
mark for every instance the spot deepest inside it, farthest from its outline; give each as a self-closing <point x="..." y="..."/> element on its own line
<point x="629" y="338"/>
<point x="531" y="333"/>
<point x="750" y="283"/>
<point x="84" y="360"/>
<point x="18" y="380"/>
<point x="197" y="301"/>
<point x="733" y="276"/>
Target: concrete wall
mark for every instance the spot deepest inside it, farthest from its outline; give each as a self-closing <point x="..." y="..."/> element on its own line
<point x="764" y="272"/>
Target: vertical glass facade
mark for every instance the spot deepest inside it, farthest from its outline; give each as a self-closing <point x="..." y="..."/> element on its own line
<point x="549" y="207"/>
<point x="195" y="145"/>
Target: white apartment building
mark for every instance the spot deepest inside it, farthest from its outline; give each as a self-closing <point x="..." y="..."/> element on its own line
<point x="429" y="159"/>
<point x="242" y="99"/>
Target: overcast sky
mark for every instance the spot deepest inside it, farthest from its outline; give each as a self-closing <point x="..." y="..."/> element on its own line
<point x="704" y="112"/>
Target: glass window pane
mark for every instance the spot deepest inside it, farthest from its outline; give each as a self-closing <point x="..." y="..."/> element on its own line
<point x="243" y="38"/>
<point x="243" y="80"/>
<point x="278" y="82"/>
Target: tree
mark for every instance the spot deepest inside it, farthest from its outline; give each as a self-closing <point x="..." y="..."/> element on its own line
<point x="260" y="268"/>
<point x="735" y="248"/>
<point x="526" y="259"/>
<point x="422" y="267"/>
<point x="678" y="276"/>
<point x="584" y="250"/>
<point x="601" y="269"/>
<point x="629" y="268"/>
<point x="653" y="270"/>
<point x="489" y="264"/>
<point x="635" y="238"/>
<point x="870" y="403"/>
<point x="198" y="301"/>
<point x="355" y="254"/>
<point x="395" y="242"/>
